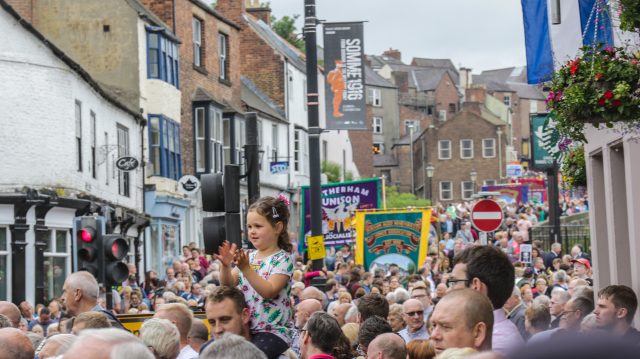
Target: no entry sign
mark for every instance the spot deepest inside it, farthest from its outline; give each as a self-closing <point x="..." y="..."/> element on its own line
<point x="486" y="215"/>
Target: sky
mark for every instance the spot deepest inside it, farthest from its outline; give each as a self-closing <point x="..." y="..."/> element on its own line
<point x="480" y="34"/>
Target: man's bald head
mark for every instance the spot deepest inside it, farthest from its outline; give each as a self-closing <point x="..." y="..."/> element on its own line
<point x="11" y="311"/>
<point x="310" y="306"/>
<point x="410" y="303"/>
<point x="340" y="311"/>
<point x="15" y="344"/>
<point x="312" y="293"/>
<point x="390" y="345"/>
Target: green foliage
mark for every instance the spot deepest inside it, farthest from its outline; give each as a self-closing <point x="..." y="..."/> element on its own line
<point x="286" y="28"/>
<point x="333" y="172"/>
<point x="574" y="168"/>
<point x="396" y="199"/>
<point x="599" y="87"/>
<point x="630" y="15"/>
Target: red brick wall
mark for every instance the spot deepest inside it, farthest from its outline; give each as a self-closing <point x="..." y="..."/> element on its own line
<point x="362" y="147"/>
<point x="261" y="13"/>
<point x="464" y="125"/>
<point x="190" y="78"/>
<point x="446" y="93"/>
<point x="22" y="7"/>
<point x="407" y="113"/>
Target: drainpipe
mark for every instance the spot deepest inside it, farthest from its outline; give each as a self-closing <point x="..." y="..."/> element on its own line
<point x="499" y="133"/>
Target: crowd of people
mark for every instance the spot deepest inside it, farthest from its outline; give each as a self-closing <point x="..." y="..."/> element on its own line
<point x="467" y="300"/>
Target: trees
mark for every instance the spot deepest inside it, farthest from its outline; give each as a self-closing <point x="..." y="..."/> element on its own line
<point x="333" y="171"/>
<point x="286" y="28"/>
<point x="396" y="199"/>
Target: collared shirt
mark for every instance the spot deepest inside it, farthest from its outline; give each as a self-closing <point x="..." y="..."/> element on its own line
<point x="419" y="334"/>
<point x="187" y="353"/>
<point x="506" y="336"/>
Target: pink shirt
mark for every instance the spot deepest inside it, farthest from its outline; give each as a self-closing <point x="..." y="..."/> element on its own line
<point x="506" y="337"/>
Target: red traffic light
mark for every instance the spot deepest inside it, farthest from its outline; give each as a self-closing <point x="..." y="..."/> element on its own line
<point x="115" y="246"/>
<point x="87" y="234"/>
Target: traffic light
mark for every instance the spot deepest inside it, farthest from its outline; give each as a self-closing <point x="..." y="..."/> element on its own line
<point x="221" y="193"/>
<point x="88" y="231"/>
<point x="115" y="247"/>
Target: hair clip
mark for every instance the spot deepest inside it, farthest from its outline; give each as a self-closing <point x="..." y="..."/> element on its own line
<point x="274" y="213"/>
<point x="284" y="199"/>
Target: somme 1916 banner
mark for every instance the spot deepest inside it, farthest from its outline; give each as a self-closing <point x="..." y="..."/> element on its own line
<point x="398" y="237"/>
<point x="345" y="98"/>
<point x="339" y="202"/>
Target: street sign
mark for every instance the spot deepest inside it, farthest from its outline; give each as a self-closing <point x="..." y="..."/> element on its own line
<point x="279" y="167"/>
<point x="486" y="215"/>
<point x="188" y="184"/>
<point x="127" y="163"/>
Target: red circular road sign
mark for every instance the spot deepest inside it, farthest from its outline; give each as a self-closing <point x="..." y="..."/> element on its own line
<point x="486" y="215"/>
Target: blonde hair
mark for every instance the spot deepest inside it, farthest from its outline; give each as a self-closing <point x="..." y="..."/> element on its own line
<point x="350" y="331"/>
<point x="179" y="314"/>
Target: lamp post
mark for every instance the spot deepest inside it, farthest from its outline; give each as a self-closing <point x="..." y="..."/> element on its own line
<point x="430" y="170"/>
<point x="474" y="177"/>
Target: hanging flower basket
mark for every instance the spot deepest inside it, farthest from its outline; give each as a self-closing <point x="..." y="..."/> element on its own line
<point x="574" y="167"/>
<point x="600" y="87"/>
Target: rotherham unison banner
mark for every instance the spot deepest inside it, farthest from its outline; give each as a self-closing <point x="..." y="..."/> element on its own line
<point x="345" y="100"/>
<point x="339" y="203"/>
<point x="393" y="237"/>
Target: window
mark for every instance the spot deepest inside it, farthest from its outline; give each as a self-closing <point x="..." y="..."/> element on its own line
<point x="533" y="106"/>
<point x="444" y="150"/>
<point x="197" y="42"/>
<point x="164" y="145"/>
<point x="297" y="149"/>
<point x="430" y="109"/>
<point x="79" y="135"/>
<point x="274" y="142"/>
<point x="123" y="150"/>
<point x="106" y="168"/>
<point x="239" y="140"/>
<point x="466" y="149"/>
<point x="488" y="147"/>
<point x="377" y="125"/>
<point x="386" y="174"/>
<point x="56" y="261"/>
<point x="445" y="191"/>
<point x="208" y="138"/>
<point x="442" y="115"/>
<point x="452" y="108"/>
<point x="375" y="97"/>
<point x="467" y="189"/>
<point x="378" y="148"/>
<point x="223" y="58"/>
<point x="411" y="124"/>
<point x="93" y="144"/>
<point x="5" y="266"/>
<point x="507" y="100"/>
<point x="162" y="57"/>
<point x="489" y="182"/>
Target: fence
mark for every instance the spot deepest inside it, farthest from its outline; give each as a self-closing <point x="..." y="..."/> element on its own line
<point x="570" y="235"/>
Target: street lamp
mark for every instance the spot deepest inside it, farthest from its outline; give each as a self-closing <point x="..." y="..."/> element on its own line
<point x="430" y="170"/>
<point x="474" y="177"/>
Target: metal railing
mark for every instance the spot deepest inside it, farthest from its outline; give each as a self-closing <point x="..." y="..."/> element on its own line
<point x="570" y="235"/>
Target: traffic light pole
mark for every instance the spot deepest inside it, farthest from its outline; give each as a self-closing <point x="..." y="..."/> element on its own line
<point x="310" y="24"/>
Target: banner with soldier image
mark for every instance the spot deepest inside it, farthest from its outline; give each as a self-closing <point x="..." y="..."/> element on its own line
<point x="345" y="98"/>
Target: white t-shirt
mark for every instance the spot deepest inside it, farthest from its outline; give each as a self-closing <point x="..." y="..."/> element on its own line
<point x="187" y="353"/>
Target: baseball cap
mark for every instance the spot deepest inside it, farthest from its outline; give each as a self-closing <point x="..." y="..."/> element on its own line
<point x="582" y="261"/>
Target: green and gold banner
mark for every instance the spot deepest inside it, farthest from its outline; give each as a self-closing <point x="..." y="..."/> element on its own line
<point x="398" y="237"/>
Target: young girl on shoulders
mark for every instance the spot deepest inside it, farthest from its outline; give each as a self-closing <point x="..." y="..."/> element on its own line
<point x="264" y="274"/>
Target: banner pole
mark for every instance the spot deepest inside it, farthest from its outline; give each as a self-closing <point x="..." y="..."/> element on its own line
<point x="384" y="193"/>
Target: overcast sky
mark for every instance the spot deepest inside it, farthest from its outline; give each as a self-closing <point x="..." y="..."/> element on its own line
<point x="481" y="34"/>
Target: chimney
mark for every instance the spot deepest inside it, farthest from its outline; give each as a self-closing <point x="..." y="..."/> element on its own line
<point x="393" y="53"/>
<point x="472" y="107"/>
<point x="401" y="79"/>
<point x="231" y="9"/>
<point x="475" y="94"/>
<point x="465" y="77"/>
<point x="262" y="13"/>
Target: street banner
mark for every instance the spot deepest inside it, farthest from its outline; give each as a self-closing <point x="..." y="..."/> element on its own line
<point x="544" y="142"/>
<point x="509" y="193"/>
<point x="393" y="237"/>
<point x="339" y="203"/>
<point x="345" y="100"/>
<point x="279" y="167"/>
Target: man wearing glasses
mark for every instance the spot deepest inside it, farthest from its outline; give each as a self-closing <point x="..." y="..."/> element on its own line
<point x="488" y="270"/>
<point x="574" y="311"/>
<point x="413" y="313"/>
